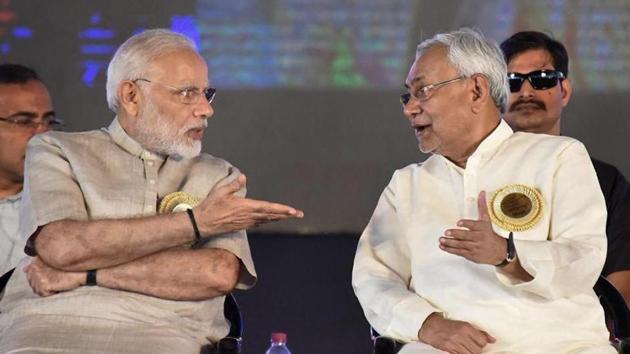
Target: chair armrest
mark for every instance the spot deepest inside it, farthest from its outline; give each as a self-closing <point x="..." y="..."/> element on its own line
<point x="386" y="345"/>
<point x="615" y="308"/>
<point x="383" y="344"/>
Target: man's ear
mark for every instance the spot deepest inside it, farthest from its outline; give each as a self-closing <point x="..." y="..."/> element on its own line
<point x="129" y="97"/>
<point x="480" y="92"/>
<point x="566" y="90"/>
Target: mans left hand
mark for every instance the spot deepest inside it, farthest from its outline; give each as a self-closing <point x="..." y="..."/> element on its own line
<point x="46" y="280"/>
<point x="479" y="243"/>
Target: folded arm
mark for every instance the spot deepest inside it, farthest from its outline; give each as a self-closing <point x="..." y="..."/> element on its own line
<point x="175" y="274"/>
<point x="81" y="245"/>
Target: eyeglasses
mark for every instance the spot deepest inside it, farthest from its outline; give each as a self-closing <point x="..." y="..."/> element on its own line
<point x="425" y="92"/>
<point x="29" y="122"/>
<point x="539" y="79"/>
<point x="187" y="95"/>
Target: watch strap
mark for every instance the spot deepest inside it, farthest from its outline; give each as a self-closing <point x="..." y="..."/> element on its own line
<point x="510" y="253"/>
<point x="90" y="278"/>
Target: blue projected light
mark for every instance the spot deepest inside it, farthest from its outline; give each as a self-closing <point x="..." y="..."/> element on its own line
<point x="95" y="19"/>
<point x="22" y="32"/>
<point x="104" y="49"/>
<point x="186" y="26"/>
<point x="5" y="48"/>
<point x="97" y="48"/>
<point x="91" y="70"/>
<point x="96" y="33"/>
<point x="309" y="44"/>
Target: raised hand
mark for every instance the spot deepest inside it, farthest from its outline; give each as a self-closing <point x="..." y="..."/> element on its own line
<point x="455" y="337"/>
<point x="223" y="211"/>
<point x="479" y="243"/>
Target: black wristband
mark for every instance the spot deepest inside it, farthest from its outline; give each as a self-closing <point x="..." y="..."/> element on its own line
<point x="191" y="216"/>
<point x="510" y="252"/>
<point x="90" y="278"/>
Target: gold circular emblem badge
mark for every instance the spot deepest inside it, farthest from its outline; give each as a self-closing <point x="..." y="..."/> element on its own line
<point x="176" y="202"/>
<point x="516" y="207"/>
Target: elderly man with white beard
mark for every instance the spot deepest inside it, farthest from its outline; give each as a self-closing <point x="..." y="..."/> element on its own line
<point x="135" y="236"/>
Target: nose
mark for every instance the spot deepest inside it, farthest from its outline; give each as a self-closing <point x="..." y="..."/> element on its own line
<point x="526" y="89"/>
<point x="203" y="110"/>
<point x="41" y="127"/>
<point x="412" y="108"/>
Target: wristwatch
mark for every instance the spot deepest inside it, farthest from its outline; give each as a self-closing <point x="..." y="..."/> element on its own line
<point x="90" y="278"/>
<point x="510" y="254"/>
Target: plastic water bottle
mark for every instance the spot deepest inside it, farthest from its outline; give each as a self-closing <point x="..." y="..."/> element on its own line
<point x="278" y="344"/>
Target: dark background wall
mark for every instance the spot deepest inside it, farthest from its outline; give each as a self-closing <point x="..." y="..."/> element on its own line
<point x="304" y="290"/>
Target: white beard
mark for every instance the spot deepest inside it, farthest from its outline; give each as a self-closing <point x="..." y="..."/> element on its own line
<point x="157" y="133"/>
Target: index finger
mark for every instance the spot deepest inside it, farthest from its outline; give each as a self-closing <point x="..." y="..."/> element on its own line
<point x="490" y="338"/>
<point x="479" y="337"/>
<point x="266" y="207"/>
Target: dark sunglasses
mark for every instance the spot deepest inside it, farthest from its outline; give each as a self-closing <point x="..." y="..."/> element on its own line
<point x="539" y="79"/>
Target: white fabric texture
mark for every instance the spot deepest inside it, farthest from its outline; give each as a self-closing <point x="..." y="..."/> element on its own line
<point x="400" y="276"/>
<point x="11" y="244"/>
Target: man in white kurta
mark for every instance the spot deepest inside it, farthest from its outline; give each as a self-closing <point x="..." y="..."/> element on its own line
<point x="426" y="269"/>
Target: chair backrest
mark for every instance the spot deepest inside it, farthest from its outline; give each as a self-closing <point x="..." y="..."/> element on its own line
<point x="230" y="344"/>
<point x="232" y="312"/>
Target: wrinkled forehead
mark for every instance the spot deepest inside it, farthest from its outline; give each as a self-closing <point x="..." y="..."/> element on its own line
<point x="432" y="64"/>
<point x="32" y="96"/>
<point x="531" y="60"/>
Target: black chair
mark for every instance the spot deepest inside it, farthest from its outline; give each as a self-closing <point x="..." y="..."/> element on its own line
<point x="615" y="309"/>
<point x="383" y="344"/>
<point x="617" y="314"/>
<point x="231" y="344"/>
<point x="4" y="279"/>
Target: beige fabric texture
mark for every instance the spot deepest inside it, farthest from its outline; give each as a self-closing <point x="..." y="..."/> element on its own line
<point x="106" y="174"/>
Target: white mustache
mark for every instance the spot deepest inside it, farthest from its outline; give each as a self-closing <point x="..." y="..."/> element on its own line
<point x="204" y="125"/>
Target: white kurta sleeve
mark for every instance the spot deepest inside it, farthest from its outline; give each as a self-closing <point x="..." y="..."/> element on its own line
<point x="571" y="259"/>
<point x="382" y="272"/>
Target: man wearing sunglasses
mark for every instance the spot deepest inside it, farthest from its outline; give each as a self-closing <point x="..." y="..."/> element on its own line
<point x="540" y="89"/>
<point x="135" y="236"/>
<point x="485" y="247"/>
<point x="25" y="110"/>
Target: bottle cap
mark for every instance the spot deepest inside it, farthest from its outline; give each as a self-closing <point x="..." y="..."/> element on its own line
<point x="279" y="337"/>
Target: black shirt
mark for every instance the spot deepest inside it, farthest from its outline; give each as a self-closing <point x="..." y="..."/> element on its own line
<point x="616" y="191"/>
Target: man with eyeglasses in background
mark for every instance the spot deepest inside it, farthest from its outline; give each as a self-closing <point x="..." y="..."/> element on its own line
<point x="538" y="69"/>
<point x="135" y="236"/>
<point x="25" y="110"/>
<point x="485" y="247"/>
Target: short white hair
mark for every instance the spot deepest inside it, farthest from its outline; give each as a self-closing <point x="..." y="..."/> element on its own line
<point x="132" y="59"/>
<point x="471" y="53"/>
